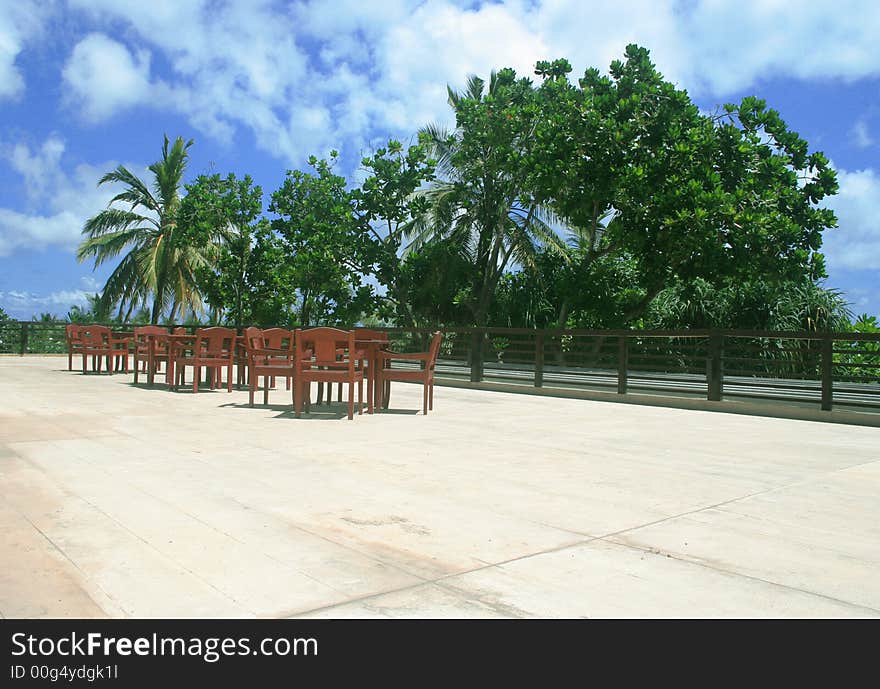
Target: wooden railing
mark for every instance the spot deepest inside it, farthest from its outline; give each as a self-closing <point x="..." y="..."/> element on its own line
<point x="829" y="370"/>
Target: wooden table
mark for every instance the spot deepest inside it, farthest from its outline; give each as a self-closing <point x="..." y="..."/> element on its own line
<point x="371" y="348"/>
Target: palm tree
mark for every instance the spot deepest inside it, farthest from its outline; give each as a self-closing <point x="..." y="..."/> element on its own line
<point x="478" y="202"/>
<point x="158" y="265"/>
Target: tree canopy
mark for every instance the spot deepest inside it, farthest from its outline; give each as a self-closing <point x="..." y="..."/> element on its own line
<point x="606" y="201"/>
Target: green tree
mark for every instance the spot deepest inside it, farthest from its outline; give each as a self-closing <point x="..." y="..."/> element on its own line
<point x="157" y="267"/>
<point x="318" y="231"/>
<point x="385" y="208"/>
<point x="272" y="280"/>
<point x="434" y="281"/>
<point x="222" y="212"/>
<point x="336" y="236"/>
<point x="480" y="203"/>
<point x="631" y="161"/>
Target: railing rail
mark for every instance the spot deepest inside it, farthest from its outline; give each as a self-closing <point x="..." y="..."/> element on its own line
<point x="826" y="369"/>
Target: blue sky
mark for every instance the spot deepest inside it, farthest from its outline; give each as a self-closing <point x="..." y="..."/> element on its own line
<point x="88" y="84"/>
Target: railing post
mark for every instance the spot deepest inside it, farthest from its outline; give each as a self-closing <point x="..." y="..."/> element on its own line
<point x="622" y="363"/>
<point x="539" y="359"/>
<point x="24" y="338"/>
<point x="827" y="372"/>
<point x="713" y="368"/>
<point x="477" y="356"/>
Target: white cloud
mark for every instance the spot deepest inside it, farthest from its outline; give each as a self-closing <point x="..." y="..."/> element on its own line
<point x="103" y="77"/>
<point x="20" y="23"/>
<point x="306" y="77"/>
<point x="21" y="304"/>
<point x="731" y="45"/>
<point x="855" y="244"/>
<point x="861" y="135"/>
<point x="63" y="199"/>
<point x="235" y="64"/>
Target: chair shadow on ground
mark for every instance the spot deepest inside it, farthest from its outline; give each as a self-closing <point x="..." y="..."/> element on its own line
<point x="336" y="410"/>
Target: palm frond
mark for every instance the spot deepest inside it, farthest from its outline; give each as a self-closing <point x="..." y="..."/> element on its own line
<point x="105" y="246"/>
<point x="113" y="220"/>
<point x="137" y="193"/>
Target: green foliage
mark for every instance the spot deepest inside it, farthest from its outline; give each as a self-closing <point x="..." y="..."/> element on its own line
<point x="606" y="202"/>
<point x="435" y="277"/>
<point x="320" y="241"/>
<point x="334" y="237"/>
<point x="688" y="196"/>
<point x="158" y="265"/>
<point x="754" y="305"/>
<point x="222" y="213"/>
<point x="271" y="281"/>
<point x="481" y="205"/>
<point x="386" y="207"/>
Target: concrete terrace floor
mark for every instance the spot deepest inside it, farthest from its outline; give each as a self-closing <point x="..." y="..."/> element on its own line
<point x="133" y="502"/>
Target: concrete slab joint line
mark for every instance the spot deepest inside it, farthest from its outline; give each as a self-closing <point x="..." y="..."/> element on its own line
<point x="124" y="501"/>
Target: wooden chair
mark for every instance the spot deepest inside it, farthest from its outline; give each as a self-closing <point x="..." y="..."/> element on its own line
<point x="74" y="344"/>
<point x="269" y="354"/>
<point x="95" y="342"/>
<point x="120" y="344"/>
<point x="212" y="348"/>
<point x="145" y="340"/>
<point x="359" y="334"/>
<point x="424" y="374"/>
<point x="332" y="363"/>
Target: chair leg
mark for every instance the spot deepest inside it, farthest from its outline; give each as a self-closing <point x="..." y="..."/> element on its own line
<point x="229" y="376"/>
<point x="251" y="392"/>
<point x="360" y="394"/>
<point x="350" y="400"/>
<point x="431" y="395"/>
<point x="265" y="393"/>
<point x="425" y="399"/>
<point x="69" y="361"/>
<point x="339" y="392"/>
<point x="298" y="399"/>
<point x="197" y="371"/>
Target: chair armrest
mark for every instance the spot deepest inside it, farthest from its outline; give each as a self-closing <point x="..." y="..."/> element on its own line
<point x="388" y="354"/>
<point x="266" y="351"/>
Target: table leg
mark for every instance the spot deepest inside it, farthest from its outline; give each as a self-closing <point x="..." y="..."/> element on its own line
<point x="151" y="362"/>
<point x="371" y="381"/>
<point x="171" y="368"/>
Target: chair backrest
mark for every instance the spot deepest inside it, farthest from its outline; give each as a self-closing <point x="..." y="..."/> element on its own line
<point x="216" y="342"/>
<point x="142" y="336"/>
<point x="253" y="338"/>
<point x="325" y="343"/>
<point x="94" y="335"/>
<point x="434" y="350"/>
<point x="278" y="338"/>
<point x="150" y="330"/>
<point x="143" y="332"/>
<point x="71" y="332"/>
